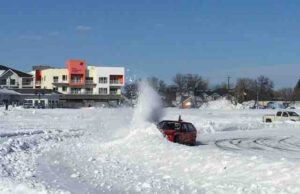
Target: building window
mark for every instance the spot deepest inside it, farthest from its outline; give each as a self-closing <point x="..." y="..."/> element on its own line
<point x="75" y="90"/>
<point x="89" y="90"/>
<point x="12" y="82"/>
<point x="103" y="80"/>
<point x="64" y="77"/>
<point x="76" y="79"/>
<point x="113" y="91"/>
<point x="55" y="79"/>
<point x="89" y="80"/>
<point x="102" y="91"/>
<point x="44" y="78"/>
<point x="64" y="88"/>
<point x="55" y="89"/>
<point x="3" y="81"/>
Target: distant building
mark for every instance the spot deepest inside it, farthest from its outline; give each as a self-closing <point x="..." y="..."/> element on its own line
<point x="196" y="99"/>
<point x="76" y="85"/>
<point x="82" y="85"/>
<point x="76" y="78"/>
<point x="12" y="78"/>
<point x="38" y="98"/>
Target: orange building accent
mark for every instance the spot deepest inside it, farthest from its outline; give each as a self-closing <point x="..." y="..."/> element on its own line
<point x="117" y="79"/>
<point x="76" y="72"/>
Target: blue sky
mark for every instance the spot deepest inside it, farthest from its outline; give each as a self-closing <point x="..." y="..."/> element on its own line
<point x="157" y="37"/>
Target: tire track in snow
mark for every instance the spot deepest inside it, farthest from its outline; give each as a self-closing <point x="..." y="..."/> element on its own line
<point x="287" y="144"/>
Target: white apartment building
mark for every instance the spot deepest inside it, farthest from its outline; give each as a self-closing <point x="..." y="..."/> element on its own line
<point x="76" y="79"/>
<point x="109" y="80"/>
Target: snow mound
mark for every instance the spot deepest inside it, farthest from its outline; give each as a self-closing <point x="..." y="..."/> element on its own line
<point x="248" y="104"/>
<point x="221" y="104"/>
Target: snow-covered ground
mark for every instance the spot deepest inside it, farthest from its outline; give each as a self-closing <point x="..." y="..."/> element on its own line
<point x="105" y="151"/>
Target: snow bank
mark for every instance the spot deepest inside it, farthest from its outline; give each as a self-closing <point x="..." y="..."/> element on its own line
<point x="248" y="104"/>
<point x="221" y="104"/>
<point x="10" y="188"/>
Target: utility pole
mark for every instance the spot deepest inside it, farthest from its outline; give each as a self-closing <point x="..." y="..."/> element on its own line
<point x="228" y="83"/>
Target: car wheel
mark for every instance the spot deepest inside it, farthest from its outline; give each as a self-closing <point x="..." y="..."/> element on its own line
<point x="176" y="139"/>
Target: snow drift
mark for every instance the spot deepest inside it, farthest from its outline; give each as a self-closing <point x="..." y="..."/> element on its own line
<point x="221" y="104"/>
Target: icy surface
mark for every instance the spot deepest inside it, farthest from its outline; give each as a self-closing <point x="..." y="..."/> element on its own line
<point x="101" y="151"/>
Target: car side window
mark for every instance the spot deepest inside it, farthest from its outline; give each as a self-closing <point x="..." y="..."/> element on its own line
<point x="168" y="126"/>
<point x="285" y="114"/>
<point x="184" y="127"/>
<point x="191" y="127"/>
<point x="177" y="126"/>
<point x="279" y="114"/>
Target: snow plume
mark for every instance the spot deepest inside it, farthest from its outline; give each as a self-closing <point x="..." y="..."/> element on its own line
<point x="149" y="107"/>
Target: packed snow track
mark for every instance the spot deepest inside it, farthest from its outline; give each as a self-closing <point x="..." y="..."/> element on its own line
<point x="113" y="151"/>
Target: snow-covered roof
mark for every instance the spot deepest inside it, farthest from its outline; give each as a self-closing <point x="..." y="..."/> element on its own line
<point x="9" y="92"/>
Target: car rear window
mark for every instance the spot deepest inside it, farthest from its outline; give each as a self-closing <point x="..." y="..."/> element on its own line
<point x="293" y="114"/>
<point x="191" y="127"/>
<point x="188" y="127"/>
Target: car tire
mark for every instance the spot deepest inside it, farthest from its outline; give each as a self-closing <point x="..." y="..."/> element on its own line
<point x="176" y="139"/>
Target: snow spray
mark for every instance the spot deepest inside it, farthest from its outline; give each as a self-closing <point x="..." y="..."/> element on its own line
<point x="149" y="107"/>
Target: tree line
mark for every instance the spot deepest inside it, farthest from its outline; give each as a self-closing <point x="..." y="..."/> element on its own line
<point x="244" y="89"/>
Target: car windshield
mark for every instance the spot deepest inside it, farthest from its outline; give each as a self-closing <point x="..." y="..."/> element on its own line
<point x="171" y="126"/>
<point x="293" y="114"/>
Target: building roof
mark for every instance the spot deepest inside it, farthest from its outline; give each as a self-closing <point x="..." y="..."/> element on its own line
<point x="35" y="91"/>
<point x="185" y="99"/>
<point x="19" y="73"/>
<point x="89" y="97"/>
<point x="8" y="92"/>
<point x="41" y="67"/>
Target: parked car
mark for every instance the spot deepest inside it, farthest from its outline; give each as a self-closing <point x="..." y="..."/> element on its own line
<point x="282" y="116"/>
<point x="178" y="131"/>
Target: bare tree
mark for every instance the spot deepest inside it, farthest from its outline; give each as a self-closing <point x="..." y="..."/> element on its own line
<point x="189" y="83"/>
<point x="285" y="94"/>
<point x="297" y="91"/>
<point x="265" y="88"/>
<point x="157" y="84"/>
<point x="245" y="89"/>
<point x="180" y="83"/>
<point x="131" y="90"/>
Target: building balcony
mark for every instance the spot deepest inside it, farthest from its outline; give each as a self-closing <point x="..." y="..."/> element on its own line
<point x="115" y="82"/>
<point x="76" y="82"/>
<point x="57" y="83"/>
<point x="90" y="82"/>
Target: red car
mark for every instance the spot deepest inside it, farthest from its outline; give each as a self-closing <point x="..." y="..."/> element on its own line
<point x="178" y="131"/>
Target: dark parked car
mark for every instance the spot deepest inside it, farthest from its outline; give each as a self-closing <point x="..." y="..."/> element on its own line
<point x="178" y="131"/>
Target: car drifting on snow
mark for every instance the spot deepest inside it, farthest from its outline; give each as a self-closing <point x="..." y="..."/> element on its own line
<point x="282" y="116"/>
<point x="178" y="131"/>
